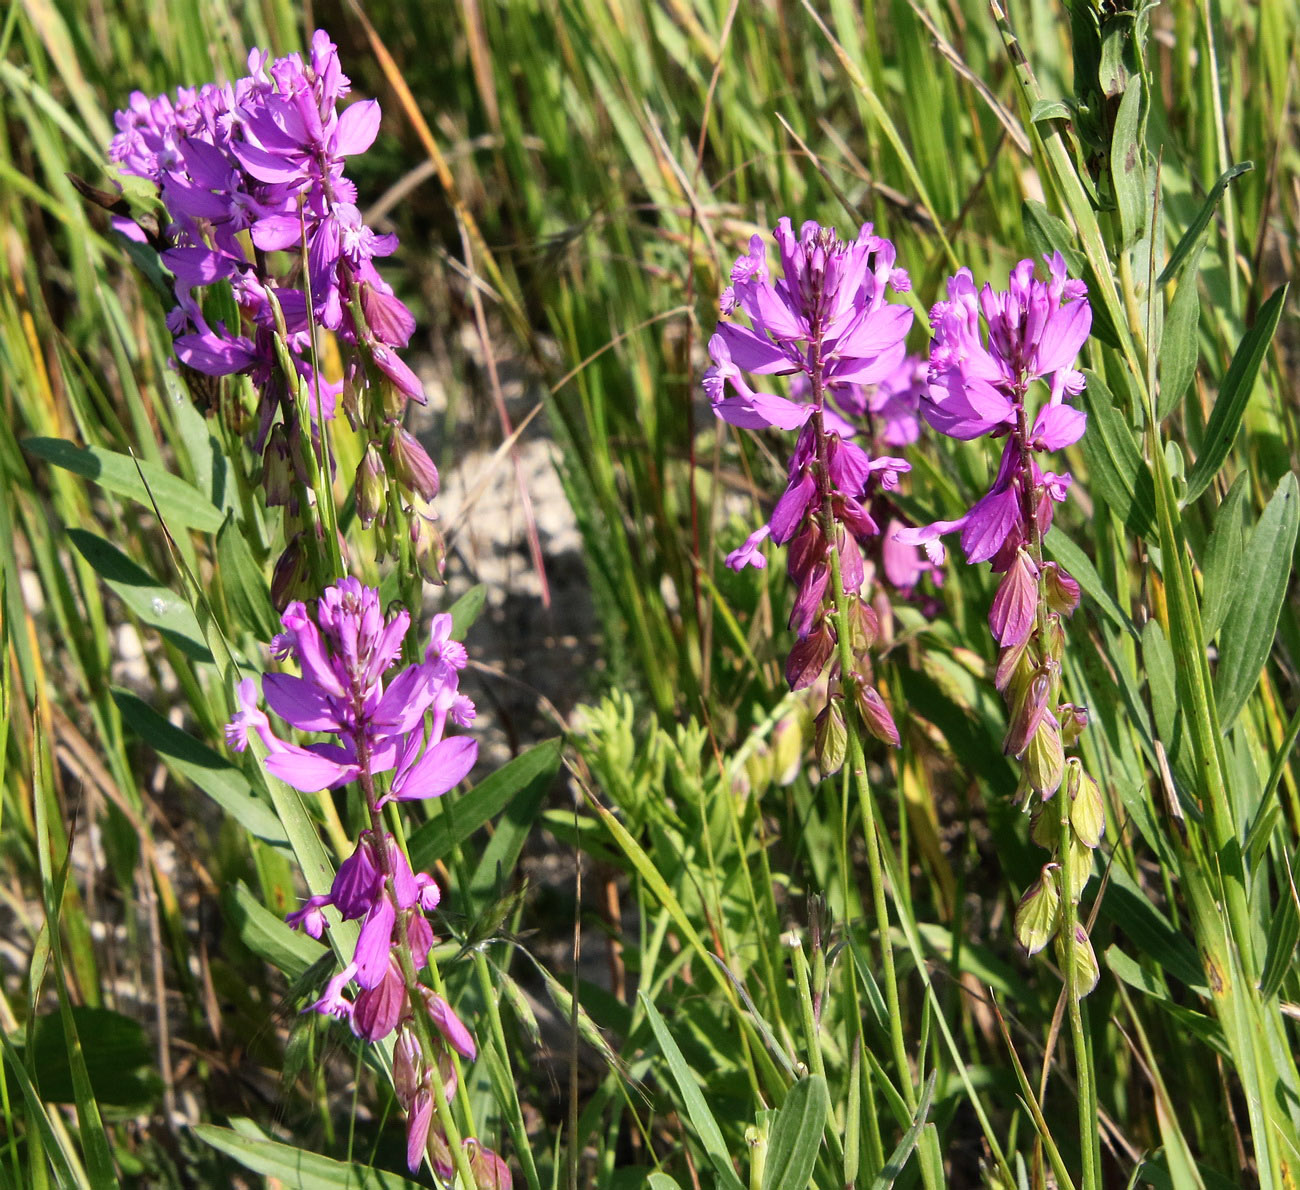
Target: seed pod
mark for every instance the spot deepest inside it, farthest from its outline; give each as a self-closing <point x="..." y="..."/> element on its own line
<point x="758" y="768"/>
<point x="1045" y="826"/>
<point x="1039" y="913"/>
<point x="430" y="549"/>
<point x="1073" y="720"/>
<point x="290" y="573"/>
<point x="1086" y="971"/>
<point x="1045" y="759"/>
<point x="1080" y="866"/>
<point x="864" y="626"/>
<point x="1087" y="808"/>
<point x="831" y="740"/>
<point x="1028" y="712"/>
<point x="1014" y="668"/>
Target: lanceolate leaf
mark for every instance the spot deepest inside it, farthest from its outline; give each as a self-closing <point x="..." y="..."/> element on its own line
<point x="1234" y="394"/>
<point x="1249" y="630"/>
<point x="1116" y="470"/>
<point x="184" y="504"/>
<point x="797" y="1135"/>
<point x="1202" y="220"/>
<point x="1222" y="568"/>
<point x="299" y="1168"/>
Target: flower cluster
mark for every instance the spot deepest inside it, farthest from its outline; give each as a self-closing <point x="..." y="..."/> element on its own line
<point x="256" y="167"/>
<point x="989" y="349"/>
<point x="825" y="321"/>
<point x="345" y="647"/>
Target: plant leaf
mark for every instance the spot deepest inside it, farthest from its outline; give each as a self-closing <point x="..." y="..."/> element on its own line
<point x="797" y="1135"/>
<point x="1266" y="570"/>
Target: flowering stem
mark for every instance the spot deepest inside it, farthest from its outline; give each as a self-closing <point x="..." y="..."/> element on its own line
<point x="420" y="1019"/>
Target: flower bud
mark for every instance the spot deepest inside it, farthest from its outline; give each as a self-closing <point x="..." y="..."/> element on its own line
<point x="864" y="626"/>
<point x="808" y="602"/>
<point x="430" y="549"/>
<point x="408" y="1075"/>
<point x="1087" y="807"/>
<point x="488" y="1170"/>
<point x="1073" y="720"/>
<point x="277" y="469"/>
<point x="290" y="573"/>
<point x="412" y="465"/>
<point x="875" y="714"/>
<point x="1045" y="758"/>
<point x="831" y="740"/>
<point x="371" y="487"/>
<point x="1039" y="912"/>
<point x="1086" y="971"/>
<point x="809" y="656"/>
<point x="1062" y="591"/>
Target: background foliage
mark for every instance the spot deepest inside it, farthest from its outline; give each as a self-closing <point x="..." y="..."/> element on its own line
<point x="575" y="179"/>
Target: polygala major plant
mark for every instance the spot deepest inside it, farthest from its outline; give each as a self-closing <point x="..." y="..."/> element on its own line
<point x="251" y="173"/>
<point x="389" y="737"/>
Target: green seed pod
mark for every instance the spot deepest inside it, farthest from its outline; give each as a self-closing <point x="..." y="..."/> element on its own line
<point x="831" y="740"/>
<point x="1045" y="759"/>
<point x="1039" y="913"/>
<point x="1080" y="866"/>
<point x="371" y="487"/>
<point x="788" y="739"/>
<point x="1087" y="810"/>
<point x="1086" y="971"/>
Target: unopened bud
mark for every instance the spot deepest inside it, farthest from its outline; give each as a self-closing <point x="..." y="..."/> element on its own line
<point x="408" y="1064"/>
<point x="1086" y="971"/>
<point x="488" y="1170"/>
<point x="831" y="740"/>
<point x="1061" y="590"/>
<point x="277" y="468"/>
<point x="290" y="573"/>
<point x="1045" y="758"/>
<point x="809" y="656"/>
<point x="371" y="487"/>
<point x="430" y="549"/>
<point x="412" y="465"/>
<point x="875" y="714"/>
<point x="864" y="626"/>
<point x="1073" y="720"/>
<point x="1039" y="913"/>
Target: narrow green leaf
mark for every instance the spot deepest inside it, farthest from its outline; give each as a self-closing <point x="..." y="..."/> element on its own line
<point x="267" y="935"/>
<point x="298" y="1169"/>
<point x="1116" y="470"/>
<point x="247" y="593"/>
<point x="797" y="1135"/>
<point x="466" y="610"/>
<point x="1161" y="682"/>
<point x="143" y="594"/>
<point x="1221" y="582"/>
<point x="117" y="1053"/>
<point x="903" y="1150"/>
<point x="1266" y="570"/>
<point x="185" y="504"/>
<point x="1283" y="934"/>
<point x="1234" y="395"/>
<point x="1127" y="168"/>
<point x="195" y="761"/>
<point x="1180" y="340"/>
<point x="1202" y="220"/>
<point x="697" y="1110"/>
